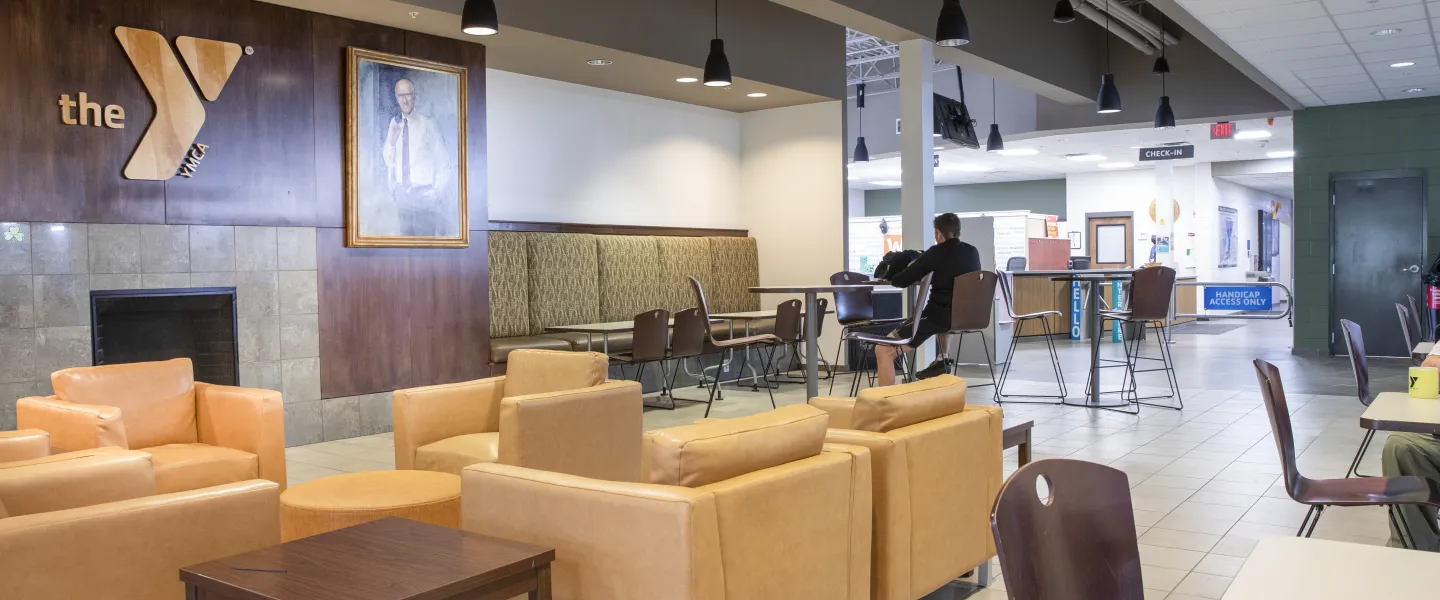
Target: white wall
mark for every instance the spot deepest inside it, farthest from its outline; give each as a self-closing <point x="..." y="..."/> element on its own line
<point x="1129" y="190"/>
<point x="792" y="197"/>
<point x="561" y="152"/>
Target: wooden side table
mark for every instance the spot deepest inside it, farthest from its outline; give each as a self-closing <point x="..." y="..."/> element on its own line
<point x="389" y="559"/>
<point x="1017" y="433"/>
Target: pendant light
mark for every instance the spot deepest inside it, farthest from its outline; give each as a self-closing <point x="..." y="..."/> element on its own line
<point x="1064" y="12"/>
<point x="953" y="29"/>
<point x="1164" y="115"/>
<point x="717" y="67"/>
<point x="1162" y="66"/>
<point x="995" y="143"/>
<point x="480" y="18"/>
<point x="862" y="154"/>
<point x="1109" y="99"/>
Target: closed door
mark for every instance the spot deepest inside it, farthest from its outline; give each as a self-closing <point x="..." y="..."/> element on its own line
<point x="1111" y="244"/>
<point x="1378" y="248"/>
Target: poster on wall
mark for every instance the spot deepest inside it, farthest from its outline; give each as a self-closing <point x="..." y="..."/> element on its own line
<point x="1229" y="241"/>
<point x="404" y="152"/>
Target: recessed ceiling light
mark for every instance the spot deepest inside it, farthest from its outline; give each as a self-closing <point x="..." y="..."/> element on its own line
<point x="1086" y="157"/>
<point x="1116" y="165"/>
<point x="599" y="62"/>
<point x="757" y="94"/>
<point x="688" y="79"/>
<point x="1281" y="154"/>
<point x="57" y="228"/>
<point x="1386" y="31"/>
<point x="1402" y="64"/>
<point x="1018" y="152"/>
<point x="938" y="135"/>
<point x="884" y="183"/>
<point x="973" y="168"/>
<point x="1414" y="90"/>
<point x="1252" y="134"/>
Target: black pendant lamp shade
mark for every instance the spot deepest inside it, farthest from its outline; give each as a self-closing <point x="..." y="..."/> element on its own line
<point x="994" y="143"/>
<point x="1162" y="66"/>
<point x="1164" y="116"/>
<point x="1109" y="99"/>
<point x="1064" y="12"/>
<point x="480" y="18"/>
<point x="862" y="153"/>
<point x="717" y="66"/>
<point x="953" y="29"/>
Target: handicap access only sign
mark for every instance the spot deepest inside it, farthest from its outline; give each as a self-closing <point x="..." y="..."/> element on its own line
<point x="1237" y="298"/>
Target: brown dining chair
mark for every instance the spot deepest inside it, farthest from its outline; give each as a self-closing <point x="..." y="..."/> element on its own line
<point x="972" y="309"/>
<point x="1417" y="351"/>
<point x="1151" y="290"/>
<point x="687" y="341"/>
<point x="1065" y="530"/>
<point x="792" y="332"/>
<point x="854" y="309"/>
<point x="1355" y="344"/>
<point x="1321" y="493"/>
<point x="764" y="343"/>
<point x="1421" y="335"/>
<point x="650" y="344"/>
<point x="1019" y="321"/>
<point x="868" y="341"/>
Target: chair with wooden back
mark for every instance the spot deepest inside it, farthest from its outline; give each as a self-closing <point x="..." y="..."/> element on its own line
<point x="868" y="341"/>
<point x="766" y="342"/>
<point x="972" y="310"/>
<point x="1417" y="349"/>
<point x="1019" y="321"/>
<point x="854" y="309"/>
<point x="1072" y="540"/>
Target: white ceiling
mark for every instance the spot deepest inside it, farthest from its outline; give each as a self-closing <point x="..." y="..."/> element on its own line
<point x="1116" y="146"/>
<point x="1280" y="184"/>
<point x="1326" y="52"/>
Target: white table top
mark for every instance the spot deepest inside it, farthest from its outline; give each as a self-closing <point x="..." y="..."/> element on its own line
<point x="1282" y="568"/>
<point x="1397" y="411"/>
<point x="819" y="289"/>
<point x="612" y="327"/>
<point x="754" y="315"/>
<point x="1423" y="348"/>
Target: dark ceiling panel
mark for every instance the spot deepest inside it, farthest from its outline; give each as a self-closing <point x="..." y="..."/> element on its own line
<point x="765" y="41"/>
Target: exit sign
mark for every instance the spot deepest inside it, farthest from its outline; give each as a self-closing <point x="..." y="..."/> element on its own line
<point x="1222" y="131"/>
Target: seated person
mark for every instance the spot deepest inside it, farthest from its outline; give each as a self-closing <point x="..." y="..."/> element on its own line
<point x="1415" y="454"/>
<point x="947" y="259"/>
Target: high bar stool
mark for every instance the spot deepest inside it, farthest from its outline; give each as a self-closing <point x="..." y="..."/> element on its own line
<point x="1020" y="320"/>
<point x="972" y="308"/>
<point x="1150" y="293"/>
<point x="854" y="309"/>
<point x="870" y="340"/>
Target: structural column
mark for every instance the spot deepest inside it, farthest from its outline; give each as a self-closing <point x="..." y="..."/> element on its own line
<point x="917" y="151"/>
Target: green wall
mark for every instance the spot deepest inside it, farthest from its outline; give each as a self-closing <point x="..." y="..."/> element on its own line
<point x="1046" y="196"/>
<point x="1375" y="136"/>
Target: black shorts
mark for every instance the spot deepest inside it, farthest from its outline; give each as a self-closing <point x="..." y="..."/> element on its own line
<point x="934" y="320"/>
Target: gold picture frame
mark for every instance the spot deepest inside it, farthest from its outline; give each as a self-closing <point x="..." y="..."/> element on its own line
<point x="401" y="191"/>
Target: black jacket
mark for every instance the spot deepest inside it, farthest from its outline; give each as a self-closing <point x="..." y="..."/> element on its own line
<point x="947" y="260"/>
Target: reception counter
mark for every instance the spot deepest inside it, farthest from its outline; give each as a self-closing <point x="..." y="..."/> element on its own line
<point x="1035" y="292"/>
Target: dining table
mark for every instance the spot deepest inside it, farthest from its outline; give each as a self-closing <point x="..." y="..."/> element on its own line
<point x="812" y="344"/>
<point x="1397" y="411"/>
<point x="604" y="330"/>
<point x="1092" y="281"/>
<point x="1316" y="569"/>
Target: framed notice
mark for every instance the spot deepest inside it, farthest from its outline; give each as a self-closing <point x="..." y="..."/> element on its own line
<point x="1229" y="238"/>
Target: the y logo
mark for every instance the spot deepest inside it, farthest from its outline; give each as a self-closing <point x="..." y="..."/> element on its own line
<point x="179" y="114"/>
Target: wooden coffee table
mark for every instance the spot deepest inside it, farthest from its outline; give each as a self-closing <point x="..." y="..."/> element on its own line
<point x="1017" y="433"/>
<point x="389" y="559"/>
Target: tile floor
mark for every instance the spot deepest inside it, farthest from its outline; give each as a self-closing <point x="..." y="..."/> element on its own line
<point x="1204" y="481"/>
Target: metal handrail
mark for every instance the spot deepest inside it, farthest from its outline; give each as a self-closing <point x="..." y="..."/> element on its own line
<point x="1289" y="302"/>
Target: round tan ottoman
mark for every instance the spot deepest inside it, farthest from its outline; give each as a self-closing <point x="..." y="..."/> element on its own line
<point x="337" y="502"/>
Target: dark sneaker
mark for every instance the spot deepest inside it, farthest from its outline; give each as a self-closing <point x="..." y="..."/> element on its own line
<point x="941" y="366"/>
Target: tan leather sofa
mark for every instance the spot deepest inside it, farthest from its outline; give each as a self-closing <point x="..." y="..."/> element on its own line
<point x="199" y="435"/>
<point x="743" y="509"/>
<point x="24" y="444"/>
<point x="553" y="411"/>
<point x="937" y="469"/>
<point x="92" y="526"/>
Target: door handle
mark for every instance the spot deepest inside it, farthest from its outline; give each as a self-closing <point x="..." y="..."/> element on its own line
<point x="1411" y="268"/>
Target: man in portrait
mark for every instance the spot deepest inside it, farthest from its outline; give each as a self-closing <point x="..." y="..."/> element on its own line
<point x="420" y="171"/>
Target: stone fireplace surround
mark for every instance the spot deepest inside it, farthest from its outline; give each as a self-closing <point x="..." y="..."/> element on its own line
<point x="47" y="273"/>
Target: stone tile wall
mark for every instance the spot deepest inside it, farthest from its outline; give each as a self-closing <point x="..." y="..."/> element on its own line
<point x="48" y="269"/>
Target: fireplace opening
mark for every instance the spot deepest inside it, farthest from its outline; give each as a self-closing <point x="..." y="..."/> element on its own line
<point x="130" y="326"/>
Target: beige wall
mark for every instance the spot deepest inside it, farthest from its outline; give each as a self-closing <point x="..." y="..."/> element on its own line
<point x="792" y="197"/>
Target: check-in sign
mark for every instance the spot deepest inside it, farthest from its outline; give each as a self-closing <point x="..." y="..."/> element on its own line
<point x="1238" y="298"/>
<point x="1167" y="153"/>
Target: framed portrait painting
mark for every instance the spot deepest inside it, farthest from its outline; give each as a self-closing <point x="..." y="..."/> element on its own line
<point x="405" y="183"/>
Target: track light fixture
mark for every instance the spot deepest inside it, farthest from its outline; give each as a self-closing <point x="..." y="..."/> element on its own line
<point x="953" y="29"/>
<point x="480" y="18"/>
<point x="1064" y="12"/>
<point x="717" y="66"/>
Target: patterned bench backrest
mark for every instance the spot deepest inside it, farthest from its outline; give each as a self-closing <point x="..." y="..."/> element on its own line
<point x="545" y="279"/>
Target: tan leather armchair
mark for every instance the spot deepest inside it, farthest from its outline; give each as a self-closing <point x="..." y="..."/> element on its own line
<point x="552" y="411"/>
<point x="198" y="434"/>
<point x="742" y="509"/>
<point x="937" y="469"/>
<point x="93" y="527"/>
<point x="24" y="444"/>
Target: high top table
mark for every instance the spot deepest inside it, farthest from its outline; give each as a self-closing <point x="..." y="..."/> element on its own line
<point x="1092" y="280"/>
<point x="812" y="346"/>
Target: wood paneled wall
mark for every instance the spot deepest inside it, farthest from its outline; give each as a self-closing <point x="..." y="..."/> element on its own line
<point x="391" y="318"/>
